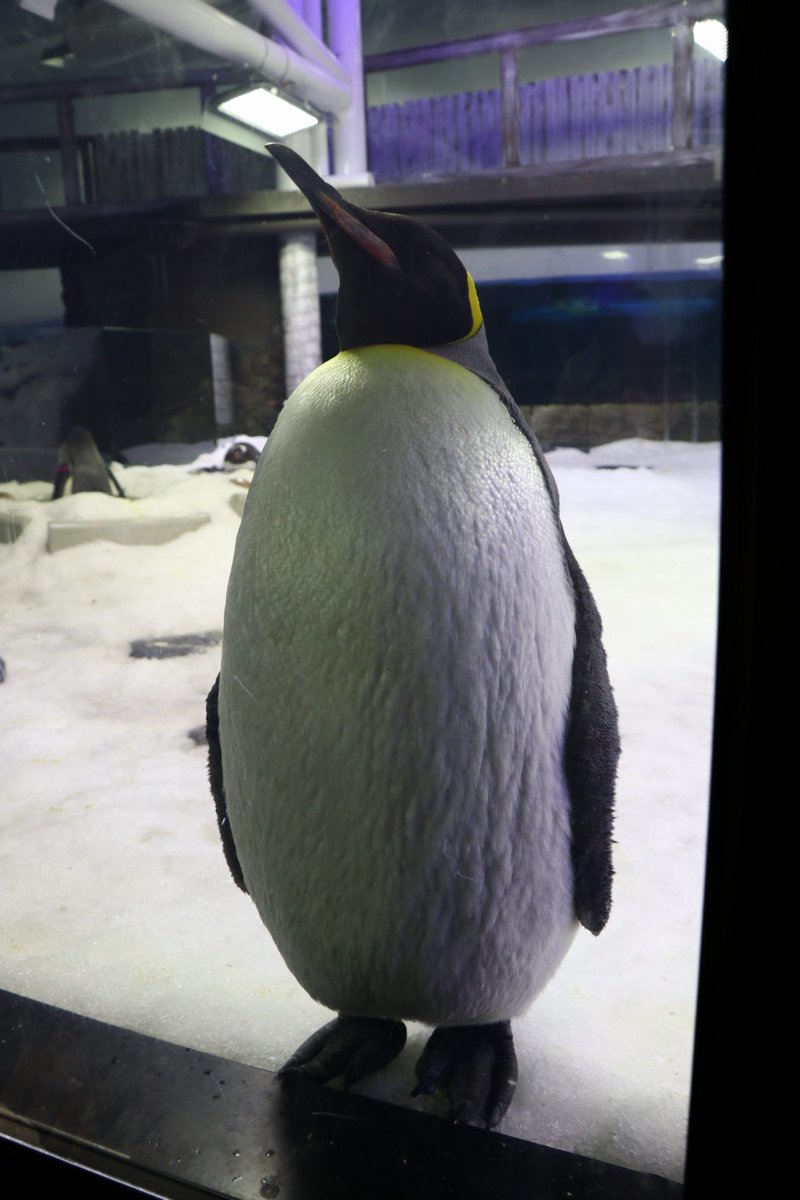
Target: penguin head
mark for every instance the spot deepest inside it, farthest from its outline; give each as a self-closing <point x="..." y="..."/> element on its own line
<point x="399" y="281"/>
<point x="241" y="452"/>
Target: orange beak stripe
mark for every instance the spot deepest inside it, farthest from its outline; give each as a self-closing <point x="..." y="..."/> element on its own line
<point x="358" y="232"/>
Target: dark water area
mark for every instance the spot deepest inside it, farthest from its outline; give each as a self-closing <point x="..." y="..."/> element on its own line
<point x="610" y="339"/>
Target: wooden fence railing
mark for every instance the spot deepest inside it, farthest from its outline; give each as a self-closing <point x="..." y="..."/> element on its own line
<point x="577" y="118"/>
<point x="121" y="167"/>
<point x="661" y="109"/>
<point x="611" y="114"/>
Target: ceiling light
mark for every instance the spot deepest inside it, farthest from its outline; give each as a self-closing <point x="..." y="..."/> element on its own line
<point x="266" y="109"/>
<point x="712" y="36"/>
<point x="615" y="254"/>
<point x="57" y="56"/>
<point x="41" y="8"/>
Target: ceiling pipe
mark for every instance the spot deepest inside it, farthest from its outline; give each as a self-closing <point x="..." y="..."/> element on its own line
<point x="313" y="144"/>
<point x="286" y="22"/>
<point x="349" y="129"/>
<point x="211" y="30"/>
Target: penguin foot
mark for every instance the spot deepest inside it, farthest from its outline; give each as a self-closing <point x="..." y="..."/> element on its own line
<point x="477" y="1066"/>
<point x="349" y="1046"/>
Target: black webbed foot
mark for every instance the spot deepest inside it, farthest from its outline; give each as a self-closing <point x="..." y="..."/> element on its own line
<point x="477" y="1066"/>
<point x="349" y="1046"/>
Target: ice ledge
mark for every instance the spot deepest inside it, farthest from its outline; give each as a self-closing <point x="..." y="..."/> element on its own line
<point x="140" y="531"/>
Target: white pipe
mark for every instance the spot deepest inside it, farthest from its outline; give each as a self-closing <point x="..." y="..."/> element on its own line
<point x="350" y="123"/>
<point x="213" y="31"/>
<point x="312" y="14"/>
<point x="289" y="25"/>
<point x="319" y="153"/>
<point x="221" y="381"/>
<point x="302" y="331"/>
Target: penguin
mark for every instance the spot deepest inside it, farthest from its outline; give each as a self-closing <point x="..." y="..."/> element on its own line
<point x="242" y="452"/>
<point x="79" y="460"/>
<point x="413" y="739"/>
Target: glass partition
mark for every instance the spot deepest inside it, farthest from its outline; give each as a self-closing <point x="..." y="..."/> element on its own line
<point x="151" y="258"/>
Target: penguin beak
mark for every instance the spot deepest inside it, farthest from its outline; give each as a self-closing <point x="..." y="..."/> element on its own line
<point x="331" y="208"/>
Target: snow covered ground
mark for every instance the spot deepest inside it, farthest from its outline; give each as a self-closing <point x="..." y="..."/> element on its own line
<point x="116" y="901"/>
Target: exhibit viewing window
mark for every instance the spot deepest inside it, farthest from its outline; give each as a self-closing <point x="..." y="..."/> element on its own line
<point x="412" y="761"/>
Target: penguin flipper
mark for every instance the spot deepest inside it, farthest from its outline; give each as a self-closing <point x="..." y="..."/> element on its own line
<point x="349" y="1046"/>
<point x="476" y="1064"/>
<point x="218" y="788"/>
<point x="592" y="746"/>
<point x="591" y="753"/>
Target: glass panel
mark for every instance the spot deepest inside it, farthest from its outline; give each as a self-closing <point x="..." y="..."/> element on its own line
<point x="150" y="255"/>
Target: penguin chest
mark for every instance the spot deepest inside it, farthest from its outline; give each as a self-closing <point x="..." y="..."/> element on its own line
<point x="395" y="682"/>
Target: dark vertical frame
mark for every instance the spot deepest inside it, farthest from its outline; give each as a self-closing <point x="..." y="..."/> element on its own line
<point x="738" y="1141"/>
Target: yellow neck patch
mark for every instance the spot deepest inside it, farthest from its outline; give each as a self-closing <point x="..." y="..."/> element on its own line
<point x="474" y="306"/>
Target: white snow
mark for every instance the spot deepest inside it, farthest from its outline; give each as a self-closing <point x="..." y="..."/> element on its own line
<point x="116" y="901"/>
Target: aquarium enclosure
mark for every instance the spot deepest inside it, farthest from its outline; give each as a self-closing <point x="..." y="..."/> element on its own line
<point x="164" y="288"/>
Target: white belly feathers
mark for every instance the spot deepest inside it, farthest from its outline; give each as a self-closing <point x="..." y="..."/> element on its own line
<point x="396" y="676"/>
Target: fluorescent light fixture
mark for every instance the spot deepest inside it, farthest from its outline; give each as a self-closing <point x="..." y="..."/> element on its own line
<point x="712" y="260"/>
<point x="615" y="254"/>
<point x="266" y="109"/>
<point x="41" y="8"/>
<point x="713" y="37"/>
<point x="57" y="56"/>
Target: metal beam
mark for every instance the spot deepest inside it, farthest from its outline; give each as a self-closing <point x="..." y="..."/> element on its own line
<point x="509" y="104"/>
<point x="70" y="171"/>
<point x="660" y="16"/>
<point x="679" y="195"/>
<point x="682" y="77"/>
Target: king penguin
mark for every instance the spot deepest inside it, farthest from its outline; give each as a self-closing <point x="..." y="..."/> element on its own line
<point x="413" y="739"/>
<point x="80" y="462"/>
